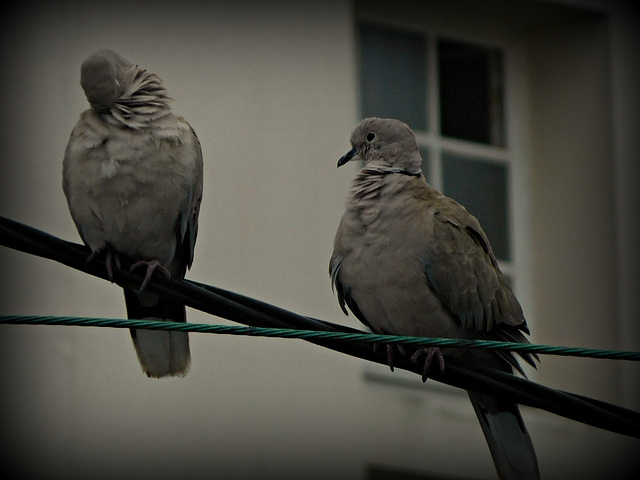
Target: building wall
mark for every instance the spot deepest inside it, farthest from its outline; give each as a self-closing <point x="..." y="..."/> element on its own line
<point x="573" y="201"/>
<point x="271" y="92"/>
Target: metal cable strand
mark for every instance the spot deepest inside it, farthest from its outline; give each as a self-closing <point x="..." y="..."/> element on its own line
<point x="315" y="335"/>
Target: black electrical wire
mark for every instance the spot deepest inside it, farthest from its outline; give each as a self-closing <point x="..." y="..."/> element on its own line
<point x="249" y="311"/>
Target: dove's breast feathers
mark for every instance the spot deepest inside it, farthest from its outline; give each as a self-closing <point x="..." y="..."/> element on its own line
<point x="378" y="258"/>
<point x="121" y="180"/>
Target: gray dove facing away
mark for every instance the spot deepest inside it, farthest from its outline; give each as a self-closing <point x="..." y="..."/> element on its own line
<point x="132" y="175"/>
<point x="408" y="260"/>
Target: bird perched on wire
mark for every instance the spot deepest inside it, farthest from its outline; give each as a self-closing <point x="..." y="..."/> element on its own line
<point x="132" y="175"/>
<point x="408" y="260"/>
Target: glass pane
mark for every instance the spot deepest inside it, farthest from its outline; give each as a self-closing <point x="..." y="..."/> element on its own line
<point x="424" y="153"/>
<point x="393" y="75"/>
<point x="471" y="92"/>
<point x="482" y="187"/>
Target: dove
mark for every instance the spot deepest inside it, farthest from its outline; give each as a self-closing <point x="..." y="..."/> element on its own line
<point x="132" y="177"/>
<point x="408" y="260"/>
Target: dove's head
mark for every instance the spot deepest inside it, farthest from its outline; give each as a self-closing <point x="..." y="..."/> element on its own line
<point x="102" y="77"/>
<point x="384" y="141"/>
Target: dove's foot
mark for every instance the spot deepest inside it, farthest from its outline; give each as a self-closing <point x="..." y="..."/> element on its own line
<point x="430" y="352"/>
<point x="111" y="257"/>
<point x="390" y="352"/>
<point x="151" y="265"/>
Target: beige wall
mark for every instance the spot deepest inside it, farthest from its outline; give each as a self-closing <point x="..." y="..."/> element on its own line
<point x="271" y="93"/>
<point x="573" y="201"/>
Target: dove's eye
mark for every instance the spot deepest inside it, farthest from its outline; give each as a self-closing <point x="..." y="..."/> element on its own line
<point x="371" y="137"/>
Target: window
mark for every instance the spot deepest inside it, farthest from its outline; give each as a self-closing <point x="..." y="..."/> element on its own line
<point x="451" y="93"/>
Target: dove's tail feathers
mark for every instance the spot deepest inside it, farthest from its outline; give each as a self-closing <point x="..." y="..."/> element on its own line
<point x="161" y="353"/>
<point x="509" y="442"/>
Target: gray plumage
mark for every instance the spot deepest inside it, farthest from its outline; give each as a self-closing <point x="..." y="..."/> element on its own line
<point x="408" y="260"/>
<point x="132" y="175"/>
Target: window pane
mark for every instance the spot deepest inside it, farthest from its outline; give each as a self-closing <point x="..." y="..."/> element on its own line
<point x="471" y="92"/>
<point x="393" y="75"/>
<point x="482" y="187"/>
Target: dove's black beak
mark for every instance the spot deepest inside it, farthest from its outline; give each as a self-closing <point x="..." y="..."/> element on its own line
<point x="347" y="156"/>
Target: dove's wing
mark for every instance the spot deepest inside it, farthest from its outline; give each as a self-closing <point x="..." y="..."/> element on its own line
<point x="462" y="270"/>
